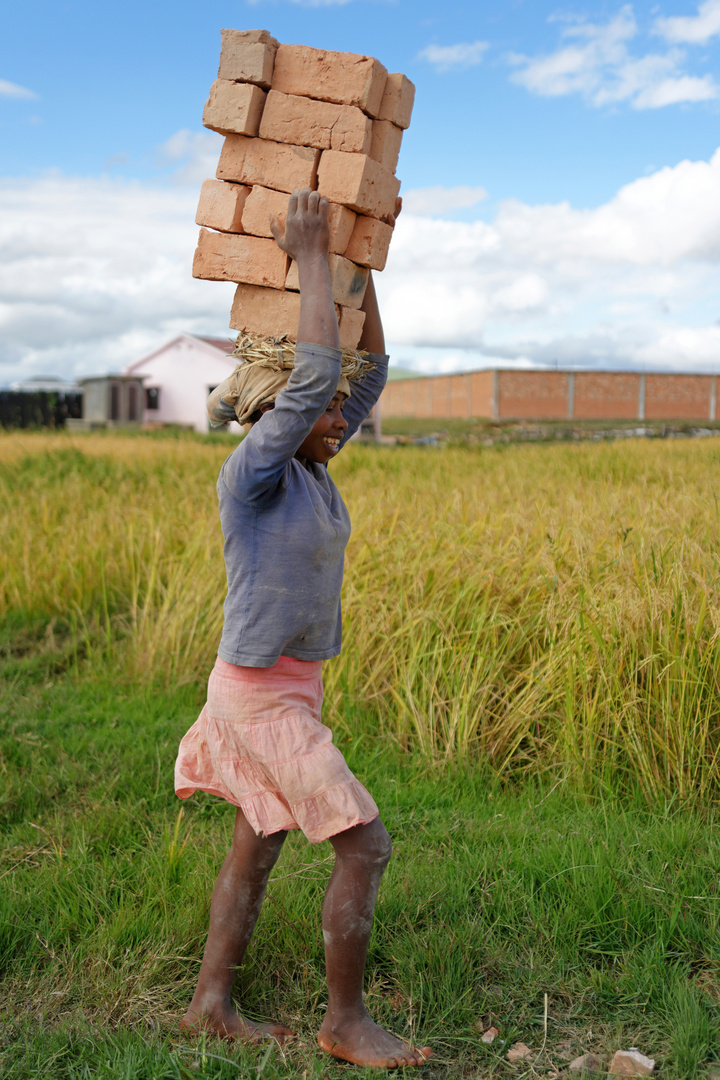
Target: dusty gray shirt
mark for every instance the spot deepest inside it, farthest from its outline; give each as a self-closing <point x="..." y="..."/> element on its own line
<point x="285" y="524"/>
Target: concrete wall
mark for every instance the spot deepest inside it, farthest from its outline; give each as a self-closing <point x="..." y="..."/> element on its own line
<point x="554" y="395"/>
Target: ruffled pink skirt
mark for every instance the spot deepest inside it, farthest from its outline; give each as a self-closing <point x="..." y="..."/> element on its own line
<point x="259" y="744"/>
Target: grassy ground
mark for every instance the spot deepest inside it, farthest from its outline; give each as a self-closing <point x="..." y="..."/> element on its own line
<point x="495" y="897"/>
<point x="559" y="598"/>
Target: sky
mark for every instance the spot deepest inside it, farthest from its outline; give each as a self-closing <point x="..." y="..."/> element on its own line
<point x="561" y="179"/>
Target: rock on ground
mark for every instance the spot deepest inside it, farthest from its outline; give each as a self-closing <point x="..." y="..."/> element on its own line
<point x="631" y="1063"/>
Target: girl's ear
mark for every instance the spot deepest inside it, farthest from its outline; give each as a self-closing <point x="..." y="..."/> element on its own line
<point x="267" y="406"/>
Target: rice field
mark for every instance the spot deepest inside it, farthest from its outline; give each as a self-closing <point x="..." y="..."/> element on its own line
<point x="541" y="609"/>
<point x="528" y="686"/>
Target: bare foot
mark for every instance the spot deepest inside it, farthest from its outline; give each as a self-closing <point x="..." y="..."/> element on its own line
<point x="363" y="1042"/>
<point x="228" y="1024"/>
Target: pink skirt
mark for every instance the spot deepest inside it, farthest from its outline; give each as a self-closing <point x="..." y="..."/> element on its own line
<point x="259" y="744"/>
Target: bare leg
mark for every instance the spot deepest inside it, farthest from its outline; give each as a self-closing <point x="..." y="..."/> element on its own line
<point x="236" y="902"/>
<point x="362" y="853"/>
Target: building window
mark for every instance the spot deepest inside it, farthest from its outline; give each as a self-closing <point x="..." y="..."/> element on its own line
<point x="152" y="397"/>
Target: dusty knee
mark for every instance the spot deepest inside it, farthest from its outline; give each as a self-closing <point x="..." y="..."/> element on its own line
<point x="261" y="853"/>
<point x="376" y="847"/>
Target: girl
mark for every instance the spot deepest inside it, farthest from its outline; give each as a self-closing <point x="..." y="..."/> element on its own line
<point x="259" y="742"/>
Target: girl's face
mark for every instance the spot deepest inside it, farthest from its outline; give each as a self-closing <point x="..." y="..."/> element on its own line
<point x="323" y="442"/>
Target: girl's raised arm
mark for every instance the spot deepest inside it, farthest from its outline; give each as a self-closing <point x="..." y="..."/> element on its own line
<point x="306" y="239"/>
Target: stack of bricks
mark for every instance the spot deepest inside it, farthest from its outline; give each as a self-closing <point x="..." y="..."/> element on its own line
<point x="296" y="117"/>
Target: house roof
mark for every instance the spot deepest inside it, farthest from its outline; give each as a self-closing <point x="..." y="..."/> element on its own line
<point x="223" y="345"/>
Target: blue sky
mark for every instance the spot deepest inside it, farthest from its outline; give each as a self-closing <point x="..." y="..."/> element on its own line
<point x="562" y="194"/>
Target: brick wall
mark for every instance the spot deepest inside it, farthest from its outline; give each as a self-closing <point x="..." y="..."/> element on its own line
<point x="604" y="395"/>
<point x="678" y="397"/>
<point x="533" y="395"/>
<point x="554" y="395"/>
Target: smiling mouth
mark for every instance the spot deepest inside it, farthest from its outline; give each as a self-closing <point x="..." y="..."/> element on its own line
<point x="332" y="444"/>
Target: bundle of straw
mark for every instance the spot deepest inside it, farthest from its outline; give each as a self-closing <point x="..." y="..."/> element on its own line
<point x="278" y="354"/>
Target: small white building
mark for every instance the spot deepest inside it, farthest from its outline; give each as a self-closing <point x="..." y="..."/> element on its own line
<point x="179" y="377"/>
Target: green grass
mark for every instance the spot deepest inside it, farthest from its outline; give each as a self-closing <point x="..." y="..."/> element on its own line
<point x="528" y="686"/>
<point x="496" y="896"/>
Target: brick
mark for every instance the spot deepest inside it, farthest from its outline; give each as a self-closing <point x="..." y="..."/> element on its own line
<point x="397" y="100"/>
<point x="234" y="108"/>
<point x="358" y="182"/>
<point x="262" y="203"/>
<point x="385" y="144"/>
<point x="269" y="164"/>
<point x="348" y="281"/>
<point x="342" y="223"/>
<point x="288" y="118"/>
<point x="351" y="324"/>
<point x="251" y="259"/>
<point x="221" y="205"/>
<point x="344" y="78"/>
<point x="369" y="243"/>
<point x="265" y="311"/>
<point x="247" y="56"/>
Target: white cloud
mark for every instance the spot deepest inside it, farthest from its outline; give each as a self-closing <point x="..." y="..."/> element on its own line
<point x="693" y="29"/>
<point x="193" y="155"/>
<point x="634" y="281"/>
<point x="436" y="201"/>
<point x="12" y="90"/>
<point x="447" y="57"/>
<point x="597" y="64"/>
<point x="96" y="272"/>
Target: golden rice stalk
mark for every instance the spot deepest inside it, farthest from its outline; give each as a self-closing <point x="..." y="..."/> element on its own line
<point x="278" y="354"/>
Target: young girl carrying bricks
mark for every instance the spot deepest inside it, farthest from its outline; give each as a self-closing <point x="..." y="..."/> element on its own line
<point x="259" y="742"/>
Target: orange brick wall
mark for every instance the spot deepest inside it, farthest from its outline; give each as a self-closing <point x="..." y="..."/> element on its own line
<point x="482" y="388"/>
<point x="677" y="397"/>
<point x="440" y="392"/>
<point x="549" y="395"/>
<point x="603" y="395"/>
<point x="533" y="395"/>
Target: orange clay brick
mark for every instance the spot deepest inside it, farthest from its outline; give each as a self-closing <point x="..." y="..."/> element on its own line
<point x="397" y="101"/>
<point x="261" y="204"/>
<point x="234" y="108"/>
<point x="264" y="203"/>
<point x="344" y="78"/>
<point x="369" y="243"/>
<point x="348" y="281"/>
<point x="265" y="311"/>
<point x="221" y="205"/>
<point x="358" y="182"/>
<point x="351" y="324"/>
<point x="247" y="56"/>
<point x="251" y="259"/>
<point x="304" y="122"/>
<point x="269" y="164"/>
<point x="385" y="145"/>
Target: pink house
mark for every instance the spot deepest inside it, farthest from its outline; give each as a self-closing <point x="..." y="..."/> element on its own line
<point x="178" y="377"/>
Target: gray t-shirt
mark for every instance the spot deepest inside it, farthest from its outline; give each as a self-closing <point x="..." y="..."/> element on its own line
<point x="285" y="524"/>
